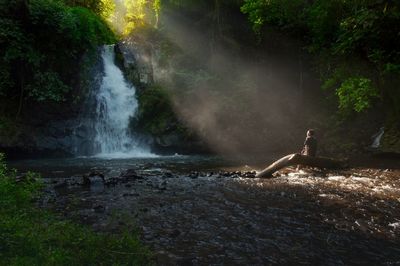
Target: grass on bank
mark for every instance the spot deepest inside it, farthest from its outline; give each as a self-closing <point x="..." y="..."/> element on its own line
<point x="31" y="236"/>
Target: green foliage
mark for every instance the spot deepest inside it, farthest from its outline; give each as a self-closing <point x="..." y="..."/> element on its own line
<point x="103" y="8"/>
<point x="201" y="5"/>
<point x="47" y="86"/>
<point x="6" y="81"/>
<point x="130" y="15"/>
<point x="365" y="26"/>
<point x="31" y="236"/>
<point x="9" y="129"/>
<point x="155" y="113"/>
<point x="391" y="138"/>
<point x="338" y="30"/>
<point x="92" y="30"/>
<point x="356" y="94"/>
<point x="323" y="23"/>
<point x="41" y="43"/>
<point x="390" y="68"/>
<point x="284" y="13"/>
<point x="157" y="9"/>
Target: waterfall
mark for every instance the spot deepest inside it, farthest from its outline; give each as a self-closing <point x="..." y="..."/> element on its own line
<point x="115" y="105"/>
<point x="377" y="138"/>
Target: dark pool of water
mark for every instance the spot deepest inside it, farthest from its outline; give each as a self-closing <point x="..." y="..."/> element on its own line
<point x="53" y="168"/>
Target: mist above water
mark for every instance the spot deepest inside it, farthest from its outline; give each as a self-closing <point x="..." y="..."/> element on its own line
<point x="237" y="97"/>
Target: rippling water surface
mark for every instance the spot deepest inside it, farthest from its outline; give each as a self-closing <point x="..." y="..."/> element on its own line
<point x="200" y="211"/>
<point x="68" y="167"/>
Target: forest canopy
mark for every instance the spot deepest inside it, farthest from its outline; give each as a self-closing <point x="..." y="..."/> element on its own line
<point x="41" y="42"/>
<point x="356" y="41"/>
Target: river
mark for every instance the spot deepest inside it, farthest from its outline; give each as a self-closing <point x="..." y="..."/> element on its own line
<point x="194" y="210"/>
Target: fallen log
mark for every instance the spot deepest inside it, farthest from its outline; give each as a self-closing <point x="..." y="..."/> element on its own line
<point x="299" y="159"/>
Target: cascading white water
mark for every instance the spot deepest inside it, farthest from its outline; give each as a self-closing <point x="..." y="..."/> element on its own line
<point x="115" y="105"/>
<point x="377" y="138"/>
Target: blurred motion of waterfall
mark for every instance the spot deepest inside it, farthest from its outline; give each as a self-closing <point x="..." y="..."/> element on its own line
<point x="110" y="107"/>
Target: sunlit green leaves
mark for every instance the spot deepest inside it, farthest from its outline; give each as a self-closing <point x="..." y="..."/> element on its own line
<point x="103" y="8"/>
<point x="356" y="94"/>
<point x="256" y="10"/>
<point x="130" y="15"/>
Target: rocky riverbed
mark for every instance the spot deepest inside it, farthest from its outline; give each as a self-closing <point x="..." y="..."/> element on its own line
<point x="229" y="217"/>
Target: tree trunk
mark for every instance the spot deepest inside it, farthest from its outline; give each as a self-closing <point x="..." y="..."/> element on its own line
<point x="296" y="159"/>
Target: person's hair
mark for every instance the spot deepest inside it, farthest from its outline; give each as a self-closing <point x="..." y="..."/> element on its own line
<point x="311" y="132"/>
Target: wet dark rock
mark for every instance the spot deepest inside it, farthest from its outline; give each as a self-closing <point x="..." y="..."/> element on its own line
<point x="226" y="174"/>
<point x="234" y="221"/>
<point x="109" y="183"/>
<point x="175" y="233"/>
<point x="131" y="174"/>
<point x="185" y="262"/>
<point x="163" y="186"/>
<point x="89" y="180"/>
<point x="194" y="175"/>
<point x="61" y="185"/>
<point x="99" y="208"/>
<point x="130" y="194"/>
<point x="250" y="174"/>
<point x="148" y="237"/>
<point x="168" y="175"/>
<point x="92" y="177"/>
<point x="95" y="173"/>
<point x="22" y="178"/>
<point x="144" y="209"/>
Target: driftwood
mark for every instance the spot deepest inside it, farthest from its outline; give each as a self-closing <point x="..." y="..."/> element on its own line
<point x="298" y="159"/>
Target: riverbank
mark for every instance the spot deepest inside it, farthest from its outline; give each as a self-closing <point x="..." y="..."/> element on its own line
<point x="222" y="215"/>
<point x="33" y="236"/>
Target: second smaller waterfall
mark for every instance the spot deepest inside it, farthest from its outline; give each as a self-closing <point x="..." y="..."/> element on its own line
<point x="115" y="105"/>
<point x="377" y="138"/>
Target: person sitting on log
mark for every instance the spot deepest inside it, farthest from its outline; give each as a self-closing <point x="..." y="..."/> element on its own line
<point x="307" y="158"/>
<point x="310" y="144"/>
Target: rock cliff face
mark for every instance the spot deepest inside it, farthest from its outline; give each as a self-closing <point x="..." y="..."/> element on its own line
<point x="52" y="130"/>
<point x="135" y="56"/>
<point x="139" y="57"/>
<point x="43" y="134"/>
